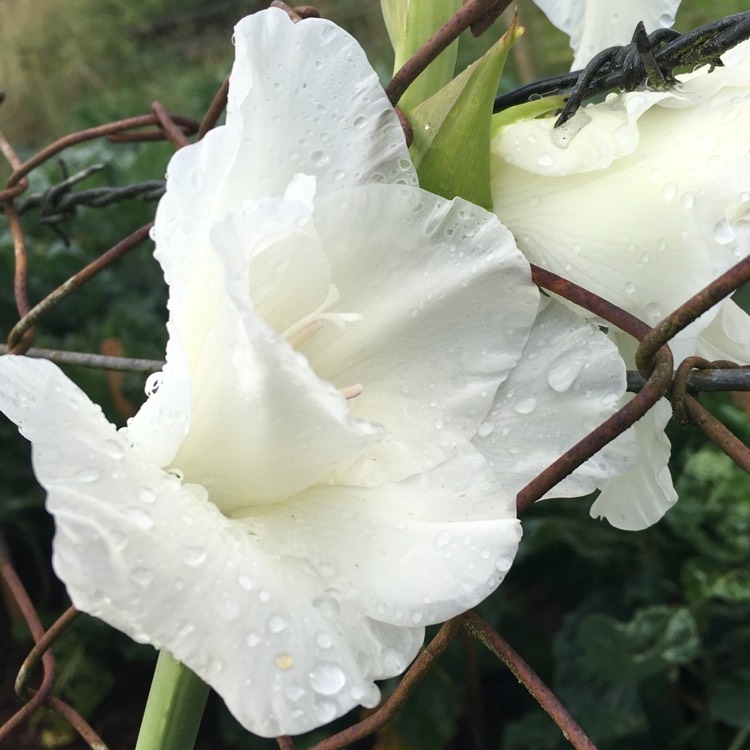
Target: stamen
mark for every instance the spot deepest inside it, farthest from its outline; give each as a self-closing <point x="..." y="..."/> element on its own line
<point x="352" y="391"/>
<point x="303" y="329"/>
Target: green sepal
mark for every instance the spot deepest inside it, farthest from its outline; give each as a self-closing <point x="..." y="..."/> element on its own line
<point x="525" y="111"/>
<point x="410" y="23"/>
<point x="451" y="146"/>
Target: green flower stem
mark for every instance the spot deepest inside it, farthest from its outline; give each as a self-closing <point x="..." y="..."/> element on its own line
<point x="174" y="708"/>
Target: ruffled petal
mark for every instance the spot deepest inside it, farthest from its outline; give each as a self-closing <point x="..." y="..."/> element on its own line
<point x="686" y="180"/>
<point x="642" y="495"/>
<point x="444" y="303"/>
<point x="291" y="613"/>
<point x="326" y="99"/>
<point x="595" y="25"/>
<point x="567" y="383"/>
<point x="728" y="336"/>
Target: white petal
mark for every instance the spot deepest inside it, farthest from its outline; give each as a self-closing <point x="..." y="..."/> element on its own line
<point x="291" y="613"/>
<point x="445" y="304"/>
<point x="728" y="336"/>
<point x="675" y="208"/>
<point x="568" y="382"/>
<point x="641" y="496"/>
<point x="594" y="25"/>
<point x="326" y="99"/>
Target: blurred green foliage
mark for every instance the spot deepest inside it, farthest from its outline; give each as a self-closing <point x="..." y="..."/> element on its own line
<point x="645" y="637"/>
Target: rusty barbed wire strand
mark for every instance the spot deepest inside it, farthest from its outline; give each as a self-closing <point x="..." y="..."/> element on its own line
<point x="572" y="732"/>
<point x="285" y="742"/>
<point x="15" y="163"/>
<point x="74" y="282"/>
<point x="31" y="662"/>
<point x="655" y="387"/>
<point x="215" y="110"/>
<point x="89" y="134"/>
<point x="168" y="124"/>
<point x="41" y="651"/>
<point x="411" y="678"/>
<point x="97" y="361"/>
<point x="684" y="315"/>
<point x="26" y="607"/>
<point x="481" y="12"/>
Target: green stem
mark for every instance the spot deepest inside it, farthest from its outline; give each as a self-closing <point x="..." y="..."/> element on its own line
<point x="174" y="708"/>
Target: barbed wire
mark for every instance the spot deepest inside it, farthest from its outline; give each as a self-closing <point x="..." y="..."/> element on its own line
<point x="656" y="378"/>
<point x="648" y="61"/>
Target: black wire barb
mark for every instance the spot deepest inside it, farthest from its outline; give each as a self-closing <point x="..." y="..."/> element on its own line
<point x="649" y="62"/>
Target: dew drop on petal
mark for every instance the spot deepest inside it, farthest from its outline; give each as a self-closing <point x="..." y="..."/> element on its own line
<point x="153" y="382"/>
<point x="142" y="576"/>
<point x="723" y="232"/>
<point x="327" y="678"/>
<point x="277" y="623"/>
<point x="443" y="538"/>
<point x="283" y="661"/>
<point x="252" y="639"/>
<point x="319" y="158"/>
<point x="88" y="474"/>
<point x="525" y="406"/>
<point x="325" y="711"/>
<point x="324" y="640"/>
<point x="194" y="556"/>
<point x="564" y="373"/>
<point x="113" y="449"/>
<point x="140" y="518"/>
<point x="146" y="495"/>
<point x="629" y="287"/>
<point x="485" y="429"/>
<point x="245" y="582"/>
<point x="545" y="160"/>
<point x="327" y="606"/>
<point x="294" y="692"/>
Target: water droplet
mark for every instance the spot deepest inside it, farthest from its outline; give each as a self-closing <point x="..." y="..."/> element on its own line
<point x="324" y="640"/>
<point x="669" y="191"/>
<point x="229" y="610"/>
<point x="264" y="596"/>
<point x="327" y="678"/>
<point x="443" y="538"/>
<point x="294" y="692"/>
<point x="246" y="582"/>
<point x="325" y="711"/>
<point x="545" y="160"/>
<point x="439" y="424"/>
<point x="184" y="629"/>
<point x="142" y="576"/>
<point x="153" y="382"/>
<point x="252" y="639"/>
<point x="152" y="231"/>
<point x="723" y="232"/>
<point x="140" y="518"/>
<point x="277" y="623"/>
<point x="485" y="429"/>
<point x="629" y="287"/>
<point x="284" y="661"/>
<point x="393" y="661"/>
<point x="687" y="201"/>
<point x="319" y="158"/>
<point x="87" y="475"/>
<point x="327" y="606"/>
<point x="194" y="556"/>
<point x="146" y="495"/>
<point x="525" y="406"/>
<point x="564" y="373"/>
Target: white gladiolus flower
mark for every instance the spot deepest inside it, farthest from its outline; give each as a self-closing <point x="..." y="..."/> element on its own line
<point x="595" y="25"/>
<point x="644" y="200"/>
<point x="357" y="385"/>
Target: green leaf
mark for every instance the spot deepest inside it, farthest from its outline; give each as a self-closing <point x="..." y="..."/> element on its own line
<point x="729" y="700"/>
<point x="410" y="23"/>
<point x="451" y="147"/>
<point x="654" y="639"/>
